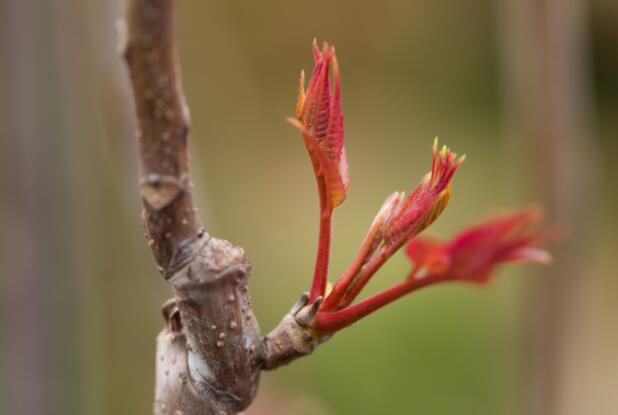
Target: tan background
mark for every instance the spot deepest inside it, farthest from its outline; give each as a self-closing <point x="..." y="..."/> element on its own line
<point x="80" y="294"/>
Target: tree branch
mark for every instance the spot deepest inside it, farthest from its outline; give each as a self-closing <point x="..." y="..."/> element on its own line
<point x="169" y="214"/>
<point x="210" y="354"/>
<point x="207" y="356"/>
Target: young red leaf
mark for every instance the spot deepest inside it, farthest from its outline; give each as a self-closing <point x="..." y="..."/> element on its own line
<point x="471" y="256"/>
<point x="474" y="253"/>
<point x="423" y="206"/>
<point x="402" y="220"/>
<point x="319" y="117"/>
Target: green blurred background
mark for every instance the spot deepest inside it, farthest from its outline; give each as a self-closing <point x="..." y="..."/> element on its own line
<point x="527" y="89"/>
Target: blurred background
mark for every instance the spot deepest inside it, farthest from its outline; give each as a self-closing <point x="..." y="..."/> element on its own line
<point x="528" y="89"/>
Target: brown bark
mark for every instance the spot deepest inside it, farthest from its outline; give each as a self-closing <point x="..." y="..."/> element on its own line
<point x="210" y="354"/>
<point x="207" y="360"/>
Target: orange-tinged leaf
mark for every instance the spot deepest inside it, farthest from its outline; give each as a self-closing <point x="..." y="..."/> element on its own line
<point x="319" y="112"/>
<point x="423" y="206"/>
<point x="473" y="254"/>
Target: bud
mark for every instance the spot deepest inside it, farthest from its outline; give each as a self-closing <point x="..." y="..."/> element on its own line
<point x="387" y="210"/>
<point x="320" y="119"/>
<point x="427" y="201"/>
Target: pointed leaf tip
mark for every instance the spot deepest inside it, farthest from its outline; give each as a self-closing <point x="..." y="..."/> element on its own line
<point x="300" y="103"/>
<point x="316" y="50"/>
<point x="425" y="204"/>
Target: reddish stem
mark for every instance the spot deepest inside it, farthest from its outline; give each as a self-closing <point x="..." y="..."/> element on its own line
<point x="331" y="321"/>
<point x="320" y="275"/>
<point x="368" y="271"/>
<point x="343" y="283"/>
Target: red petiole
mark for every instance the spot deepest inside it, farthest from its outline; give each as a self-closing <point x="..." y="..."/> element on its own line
<point x="331" y="321"/>
<point x="320" y="274"/>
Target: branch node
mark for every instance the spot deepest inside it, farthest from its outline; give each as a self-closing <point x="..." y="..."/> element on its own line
<point x="293" y="336"/>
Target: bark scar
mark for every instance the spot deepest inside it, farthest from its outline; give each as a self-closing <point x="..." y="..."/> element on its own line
<point x="160" y="190"/>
